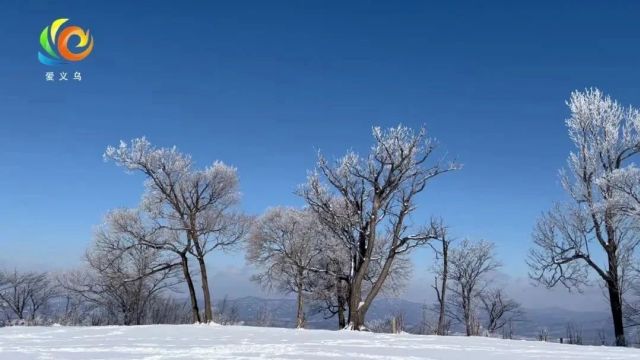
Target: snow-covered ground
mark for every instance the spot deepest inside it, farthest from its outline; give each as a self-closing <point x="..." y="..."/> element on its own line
<point x="236" y="342"/>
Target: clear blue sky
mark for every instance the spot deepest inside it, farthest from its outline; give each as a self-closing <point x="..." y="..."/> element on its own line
<point x="261" y="85"/>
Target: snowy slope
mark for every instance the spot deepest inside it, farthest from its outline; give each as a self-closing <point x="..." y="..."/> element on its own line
<point x="235" y="342"/>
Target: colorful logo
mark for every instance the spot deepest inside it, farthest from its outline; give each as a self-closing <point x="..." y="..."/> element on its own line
<point x="55" y="42"/>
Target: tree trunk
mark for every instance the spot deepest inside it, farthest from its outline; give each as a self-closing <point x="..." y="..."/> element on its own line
<point x="362" y="305"/>
<point x="342" y="323"/>
<point x="366" y="243"/>
<point x="357" y="305"/>
<point x="441" y="316"/>
<point x="467" y="324"/>
<point x="126" y="315"/>
<point x="208" y="315"/>
<point x="356" y="321"/>
<point x="613" y="281"/>
<point x="466" y="310"/>
<point x="300" y="312"/>
<point x="356" y="317"/>
<point x="192" y="291"/>
<point x="445" y="274"/>
<point x="615" y="301"/>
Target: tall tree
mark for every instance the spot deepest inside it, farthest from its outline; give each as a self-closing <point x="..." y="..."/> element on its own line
<point x="365" y="200"/>
<point x="199" y="203"/>
<point x="441" y="279"/>
<point x="471" y="262"/>
<point x="593" y="231"/>
<point x="285" y="243"/>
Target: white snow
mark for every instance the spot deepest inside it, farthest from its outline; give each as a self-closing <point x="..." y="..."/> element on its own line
<point x="193" y="342"/>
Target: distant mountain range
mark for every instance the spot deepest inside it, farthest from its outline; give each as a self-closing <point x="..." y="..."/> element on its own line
<point x="282" y="313"/>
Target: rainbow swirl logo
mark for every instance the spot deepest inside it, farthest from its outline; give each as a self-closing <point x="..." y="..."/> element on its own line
<point x="55" y="42"/>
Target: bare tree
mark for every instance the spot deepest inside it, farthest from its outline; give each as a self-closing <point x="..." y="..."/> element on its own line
<point x="23" y="294"/>
<point x="168" y="310"/>
<point x="632" y="307"/>
<point x="398" y="322"/>
<point x="200" y="203"/>
<point x="595" y="224"/>
<point x="72" y="309"/>
<point x="574" y="334"/>
<point x="470" y="263"/>
<point x="143" y="231"/>
<point x="601" y="337"/>
<point x="440" y="281"/>
<point x="330" y="286"/>
<point x="508" y="329"/>
<point x="228" y="312"/>
<point x="264" y="316"/>
<point x="499" y="310"/>
<point x="425" y="326"/>
<point x="285" y="244"/>
<point x="365" y="200"/>
<point x="632" y="297"/>
<point x="119" y="277"/>
<point x="543" y="334"/>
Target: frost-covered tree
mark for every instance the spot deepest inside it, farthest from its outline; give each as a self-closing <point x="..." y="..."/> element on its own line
<point x="119" y="277"/>
<point x="145" y="232"/>
<point x="595" y="231"/>
<point x="631" y="306"/>
<point x="330" y="288"/>
<point x="70" y="308"/>
<point x="199" y="203"/>
<point x="367" y="200"/>
<point x="441" y="270"/>
<point x="285" y="244"/>
<point x="24" y="294"/>
<point x="470" y="263"/>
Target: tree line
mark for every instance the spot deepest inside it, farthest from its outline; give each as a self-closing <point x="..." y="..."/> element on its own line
<point x="352" y="240"/>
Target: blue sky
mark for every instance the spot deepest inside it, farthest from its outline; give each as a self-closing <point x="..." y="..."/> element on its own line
<point x="263" y="85"/>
